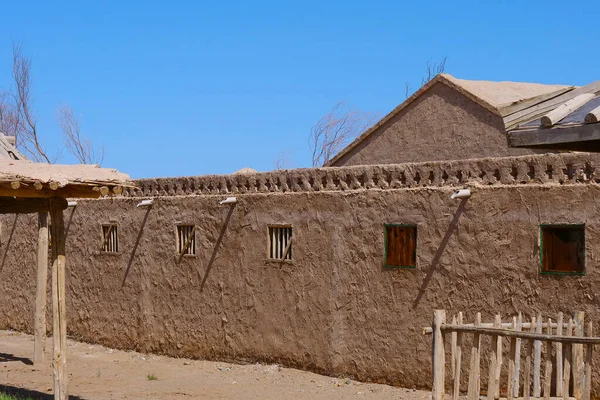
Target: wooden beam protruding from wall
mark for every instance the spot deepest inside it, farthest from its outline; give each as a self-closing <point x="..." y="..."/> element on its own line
<point x="11" y="205"/>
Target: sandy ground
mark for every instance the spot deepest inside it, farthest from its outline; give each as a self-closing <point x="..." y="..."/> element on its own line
<point x="96" y="372"/>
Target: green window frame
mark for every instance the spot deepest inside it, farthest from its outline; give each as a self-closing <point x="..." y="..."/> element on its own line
<point x="580" y="228"/>
<point x="386" y="246"/>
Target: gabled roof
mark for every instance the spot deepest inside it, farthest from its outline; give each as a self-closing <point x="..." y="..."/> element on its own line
<point x="500" y="98"/>
<point x="567" y="122"/>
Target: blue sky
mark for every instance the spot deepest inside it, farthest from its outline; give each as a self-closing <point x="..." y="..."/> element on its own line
<point x="190" y="88"/>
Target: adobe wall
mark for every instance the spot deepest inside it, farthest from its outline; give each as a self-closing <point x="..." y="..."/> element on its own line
<point x="333" y="310"/>
<point x="442" y="124"/>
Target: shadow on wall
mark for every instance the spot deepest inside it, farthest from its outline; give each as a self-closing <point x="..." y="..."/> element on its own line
<point x="439" y="252"/>
<point x="135" y="246"/>
<point x="12" y="231"/>
<point x="217" y="245"/>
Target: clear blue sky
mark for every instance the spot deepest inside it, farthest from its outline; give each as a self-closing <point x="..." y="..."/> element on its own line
<point x="189" y="88"/>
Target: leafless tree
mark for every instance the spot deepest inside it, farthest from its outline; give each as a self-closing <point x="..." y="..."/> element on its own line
<point x="18" y="119"/>
<point x="335" y="130"/>
<point x="431" y="71"/>
<point x="79" y="145"/>
<point x="282" y="161"/>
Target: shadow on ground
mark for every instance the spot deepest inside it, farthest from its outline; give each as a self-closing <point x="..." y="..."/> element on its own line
<point x="30" y="394"/>
<point x="5" y="357"/>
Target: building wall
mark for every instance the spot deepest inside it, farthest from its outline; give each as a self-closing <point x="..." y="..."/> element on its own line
<point x="441" y="124"/>
<point x="334" y="309"/>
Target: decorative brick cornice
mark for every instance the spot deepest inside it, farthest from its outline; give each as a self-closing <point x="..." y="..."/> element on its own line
<point x="564" y="168"/>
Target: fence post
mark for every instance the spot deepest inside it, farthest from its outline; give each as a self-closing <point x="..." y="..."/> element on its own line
<point x="577" y="354"/>
<point x="439" y="318"/>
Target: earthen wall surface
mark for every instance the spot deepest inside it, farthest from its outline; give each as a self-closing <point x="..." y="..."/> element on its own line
<point x="334" y="309"/>
<point x="442" y="124"/>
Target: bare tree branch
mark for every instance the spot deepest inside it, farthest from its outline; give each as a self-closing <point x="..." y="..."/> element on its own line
<point x="335" y="130"/>
<point x="24" y="122"/>
<point x="282" y="161"/>
<point x="77" y="144"/>
<point x="433" y="70"/>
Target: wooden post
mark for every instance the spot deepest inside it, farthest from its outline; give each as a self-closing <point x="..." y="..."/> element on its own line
<point x="537" y="359"/>
<point x="559" y="356"/>
<point x="474" y="378"/>
<point x="589" y="351"/>
<point x="527" y="373"/>
<point x="453" y="344"/>
<point x="59" y="325"/>
<point x="458" y="360"/>
<point x="577" y="354"/>
<point x="498" y="323"/>
<point x="39" y="345"/>
<point x="511" y="362"/>
<point x="548" y="369"/>
<point x="492" y="384"/>
<point x="567" y="362"/>
<point x="517" y="370"/>
<point x="439" y="355"/>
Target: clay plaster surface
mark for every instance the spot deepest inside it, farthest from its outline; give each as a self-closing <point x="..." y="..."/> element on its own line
<point x="334" y="309"/>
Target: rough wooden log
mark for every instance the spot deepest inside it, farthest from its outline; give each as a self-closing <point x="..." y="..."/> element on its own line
<point x="589" y="352"/>
<point x="499" y="351"/>
<point x="577" y="355"/>
<point x="39" y="345"/>
<point x="537" y="360"/>
<point x="458" y="360"/>
<point x="453" y="344"/>
<point x="438" y="355"/>
<point x="548" y="368"/>
<point x="511" y="363"/>
<point x="567" y="350"/>
<point x="559" y="356"/>
<point x="528" y="359"/>
<point x="59" y="324"/>
<point x="491" y="390"/>
<point x="517" y="371"/>
<point x="565" y="109"/>
<point x="593" y="116"/>
<point x="474" y="373"/>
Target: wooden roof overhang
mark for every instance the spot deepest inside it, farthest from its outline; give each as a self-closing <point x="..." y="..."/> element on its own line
<point x="26" y="187"/>
<point x="567" y="122"/>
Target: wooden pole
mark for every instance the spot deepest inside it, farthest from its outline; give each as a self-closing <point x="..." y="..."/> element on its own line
<point x="537" y="359"/>
<point x="567" y="350"/>
<point x="458" y="360"/>
<point x="577" y="355"/>
<point x="491" y="391"/>
<point x="559" y="357"/>
<point x="587" y="387"/>
<point x="474" y="378"/>
<point x="59" y="325"/>
<point x="548" y="369"/>
<point x="39" y="345"/>
<point x="438" y="355"/>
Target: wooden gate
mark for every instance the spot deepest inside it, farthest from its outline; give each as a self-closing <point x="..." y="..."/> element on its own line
<point x="567" y="356"/>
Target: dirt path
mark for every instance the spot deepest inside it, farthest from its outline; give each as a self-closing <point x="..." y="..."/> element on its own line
<point x="97" y="372"/>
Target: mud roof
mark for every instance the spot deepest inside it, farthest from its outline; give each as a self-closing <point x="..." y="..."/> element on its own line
<point x="501" y="98"/>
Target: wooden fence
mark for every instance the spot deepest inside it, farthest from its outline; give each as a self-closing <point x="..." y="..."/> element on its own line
<point x="567" y="370"/>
